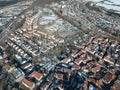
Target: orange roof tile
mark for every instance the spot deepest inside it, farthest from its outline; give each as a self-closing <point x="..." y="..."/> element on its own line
<point x="108" y="77"/>
<point x="36" y="75"/>
<point x="28" y="83"/>
<point x="96" y="69"/>
<point x="77" y="61"/>
<point x="95" y="82"/>
<point x="69" y="71"/>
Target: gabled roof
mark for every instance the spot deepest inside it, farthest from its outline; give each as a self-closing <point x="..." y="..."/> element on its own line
<point x="28" y="84"/>
<point x="108" y="77"/>
<point x="36" y="75"/>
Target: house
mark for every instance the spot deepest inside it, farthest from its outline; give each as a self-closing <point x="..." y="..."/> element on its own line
<point x="108" y="78"/>
<point x="14" y="89"/>
<point x="30" y="85"/>
<point x="95" y="82"/>
<point x="75" y="53"/>
<point x="16" y="74"/>
<point x="36" y="75"/>
<point x="78" y="61"/>
<point x="86" y="85"/>
<point x="116" y="85"/>
<point x="26" y="66"/>
<point x="45" y="85"/>
<point x="66" y="60"/>
<point x="76" y="67"/>
<point x="96" y="69"/>
<point x="69" y="71"/>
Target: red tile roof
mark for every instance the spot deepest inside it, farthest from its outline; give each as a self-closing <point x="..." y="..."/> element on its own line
<point x="75" y="66"/>
<point x="69" y="71"/>
<point x="78" y="61"/>
<point x="96" y="82"/>
<point x="28" y="83"/>
<point x="96" y="69"/>
<point x="108" y="77"/>
<point x="36" y="75"/>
